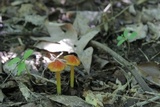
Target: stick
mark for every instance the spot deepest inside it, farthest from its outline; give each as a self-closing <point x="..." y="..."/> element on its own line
<point x="133" y="69"/>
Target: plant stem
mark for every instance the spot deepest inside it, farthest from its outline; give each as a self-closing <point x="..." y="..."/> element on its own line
<point x="72" y="77"/>
<point x="58" y="78"/>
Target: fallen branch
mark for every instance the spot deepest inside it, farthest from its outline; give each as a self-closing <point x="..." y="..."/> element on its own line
<point x="133" y="69"/>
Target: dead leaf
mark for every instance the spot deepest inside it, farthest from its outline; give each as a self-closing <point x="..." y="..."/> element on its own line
<point x="14" y="3"/>
<point x="29" y="105"/>
<point x="150" y="71"/>
<point x="11" y="104"/>
<point x="92" y="98"/>
<point x="65" y="40"/>
<point x="81" y="24"/>
<point x="57" y="34"/>
<point x="83" y="19"/>
<point x="86" y="58"/>
<point x="35" y="19"/>
<point x="132" y="9"/>
<point x="151" y="14"/>
<point x="154" y="29"/>
<point x="98" y="99"/>
<point x="27" y="93"/>
<point x="44" y="103"/>
<point x="8" y="84"/>
<point x="69" y="101"/>
<point x="2" y="96"/>
<point x="55" y="47"/>
<point x="26" y="9"/>
<point x="81" y="44"/>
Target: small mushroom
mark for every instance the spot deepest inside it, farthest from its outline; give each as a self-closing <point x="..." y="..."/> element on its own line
<point x="57" y="66"/>
<point x="72" y="61"/>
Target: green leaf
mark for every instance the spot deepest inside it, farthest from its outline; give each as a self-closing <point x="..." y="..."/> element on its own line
<point x="120" y="42"/>
<point x="14" y="61"/>
<point x="125" y="33"/>
<point x="133" y="35"/>
<point x="120" y="38"/>
<point x="21" y="67"/>
<point x="27" y="54"/>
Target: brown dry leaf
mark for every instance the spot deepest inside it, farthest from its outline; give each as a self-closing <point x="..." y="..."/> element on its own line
<point x="150" y="71"/>
<point x="11" y="104"/>
<point x="57" y="34"/>
<point x="69" y="101"/>
<point x="94" y="99"/>
<point x="42" y="103"/>
<point x="35" y="19"/>
<point x="81" y="44"/>
<point x="17" y="49"/>
<point x="85" y="56"/>
<point x="28" y="13"/>
<point x="26" y="9"/>
<point x="154" y="29"/>
<point x="2" y="96"/>
<point x="98" y="99"/>
<point x="81" y="24"/>
<point x="29" y="105"/>
<point x="65" y="40"/>
<point x="55" y="47"/>
<point x="83" y="19"/>
<point x="150" y="14"/>
<point x="27" y="93"/>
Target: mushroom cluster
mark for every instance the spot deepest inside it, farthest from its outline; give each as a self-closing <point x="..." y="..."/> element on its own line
<point x="57" y="66"/>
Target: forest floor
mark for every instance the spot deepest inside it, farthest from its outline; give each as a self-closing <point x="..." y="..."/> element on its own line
<point x="117" y="43"/>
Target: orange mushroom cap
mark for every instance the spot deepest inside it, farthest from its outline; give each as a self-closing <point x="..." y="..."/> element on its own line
<point x="72" y="60"/>
<point x="56" y="66"/>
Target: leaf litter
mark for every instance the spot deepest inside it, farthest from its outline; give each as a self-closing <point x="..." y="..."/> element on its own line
<point x="99" y="82"/>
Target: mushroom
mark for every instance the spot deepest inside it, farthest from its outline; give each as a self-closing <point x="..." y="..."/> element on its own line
<point x="72" y="60"/>
<point x="57" y="66"/>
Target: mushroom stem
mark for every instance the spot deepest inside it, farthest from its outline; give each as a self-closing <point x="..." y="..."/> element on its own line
<point x="72" y="76"/>
<point x="58" y="78"/>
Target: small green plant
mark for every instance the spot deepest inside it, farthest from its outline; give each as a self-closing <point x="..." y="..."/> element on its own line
<point x="21" y="66"/>
<point x="125" y="36"/>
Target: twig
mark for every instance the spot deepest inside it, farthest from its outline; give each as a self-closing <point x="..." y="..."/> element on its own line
<point x="42" y="78"/>
<point x="155" y="55"/>
<point x="140" y="104"/>
<point x="144" y="54"/>
<point x="107" y="7"/>
<point x="133" y="69"/>
<point x="119" y="13"/>
<point x="0" y="67"/>
<point x="20" y="41"/>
